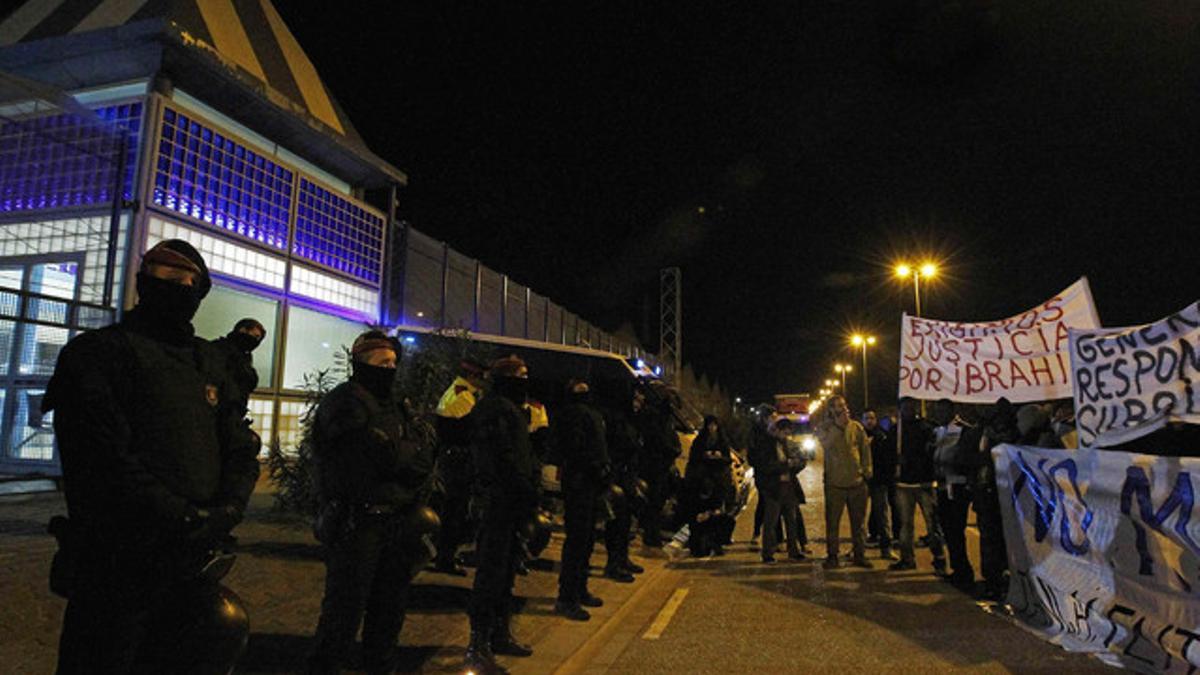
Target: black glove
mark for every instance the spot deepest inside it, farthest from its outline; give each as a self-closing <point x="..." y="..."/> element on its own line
<point x="210" y="525"/>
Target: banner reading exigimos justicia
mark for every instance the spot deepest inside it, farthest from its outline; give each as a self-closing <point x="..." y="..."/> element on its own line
<point x="1132" y="381"/>
<point x="1022" y="358"/>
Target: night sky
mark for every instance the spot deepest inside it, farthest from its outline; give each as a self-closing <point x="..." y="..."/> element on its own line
<point x="573" y="146"/>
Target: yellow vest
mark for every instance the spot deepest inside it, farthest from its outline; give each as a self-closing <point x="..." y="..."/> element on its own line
<point x="538" y="419"/>
<point x="458" y="399"/>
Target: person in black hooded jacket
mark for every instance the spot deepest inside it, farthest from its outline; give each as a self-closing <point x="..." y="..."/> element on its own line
<point x="372" y="481"/>
<point x="158" y="465"/>
<point x="505" y="496"/>
<point x="1001" y="427"/>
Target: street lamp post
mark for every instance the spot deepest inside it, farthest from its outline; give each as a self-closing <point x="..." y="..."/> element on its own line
<point x="842" y="368"/>
<point x="864" y="341"/>
<point x="927" y="270"/>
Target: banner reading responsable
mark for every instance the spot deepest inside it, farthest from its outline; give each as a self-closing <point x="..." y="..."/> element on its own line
<point x="1023" y="358"/>
<point x="1102" y="547"/>
<point x="1132" y="381"/>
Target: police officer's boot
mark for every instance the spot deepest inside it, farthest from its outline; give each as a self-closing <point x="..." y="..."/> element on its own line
<point x="503" y="641"/>
<point x="479" y="658"/>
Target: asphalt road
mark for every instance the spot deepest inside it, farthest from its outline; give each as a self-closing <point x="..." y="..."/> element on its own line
<point x="735" y="615"/>
<point x="730" y="614"/>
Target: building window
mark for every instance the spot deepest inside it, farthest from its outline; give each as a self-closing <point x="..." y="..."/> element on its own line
<point x="334" y="291"/>
<point x="64" y="161"/>
<point x="206" y="175"/>
<point x="338" y="233"/>
<point x="261" y="413"/>
<point x="291" y="413"/>
<point x="224" y="307"/>
<point x="221" y="256"/>
<point x="88" y="236"/>
<point x="315" y="342"/>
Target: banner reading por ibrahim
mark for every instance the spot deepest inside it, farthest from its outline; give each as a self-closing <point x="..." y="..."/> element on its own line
<point x="1131" y="381"/>
<point x="1102" y="546"/>
<point x="1023" y="358"/>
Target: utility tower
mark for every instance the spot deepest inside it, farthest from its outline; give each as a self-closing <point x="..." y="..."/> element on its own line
<point x="670" y="329"/>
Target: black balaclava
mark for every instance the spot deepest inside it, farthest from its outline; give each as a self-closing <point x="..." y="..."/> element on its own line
<point x="515" y="389"/>
<point x="244" y="342"/>
<point x="168" y="305"/>
<point x="376" y="379"/>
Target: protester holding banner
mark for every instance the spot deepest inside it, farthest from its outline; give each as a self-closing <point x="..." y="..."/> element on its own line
<point x="955" y="446"/>
<point x="1001" y="427"/>
<point x="915" y="481"/>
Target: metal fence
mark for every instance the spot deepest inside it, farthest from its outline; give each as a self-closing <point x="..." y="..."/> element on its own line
<point x="64" y="171"/>
<point x="446" y="289"/>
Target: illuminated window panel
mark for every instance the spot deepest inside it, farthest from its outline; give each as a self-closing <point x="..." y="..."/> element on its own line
<point x="88" y="236"/>
<point x="291" y="414"/>
<point x="204" y="174"/>
<point x="62" y="161"/>
<point x="261" y="413"/>
<point x="32" y="432"/>
<point x="334" y="291"/>
<point x="338" y="233"/>
<point x="221" y="256"/>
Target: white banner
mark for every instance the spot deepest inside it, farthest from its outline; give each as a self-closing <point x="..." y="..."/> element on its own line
<point x="1130" y="382"/>
<point x="1023" y="358"/>
<point x="1102" y="546"/>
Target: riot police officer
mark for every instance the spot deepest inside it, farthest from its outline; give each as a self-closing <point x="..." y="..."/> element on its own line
<point x="158" y="465"/>
<point x="586" y="471"/>
<point x="372" y="484"/>
<point x="238" y="347"/>
<point x="454" y="461"/>
<point x="625" y="449"/>
<point x="505" y="496"/>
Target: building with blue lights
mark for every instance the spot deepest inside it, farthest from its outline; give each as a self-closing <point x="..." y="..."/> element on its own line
<point x="230" y="140"/>
<point x="126" y="123"/>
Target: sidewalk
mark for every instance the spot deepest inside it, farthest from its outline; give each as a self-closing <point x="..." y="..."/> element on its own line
<point x="280" y="578"/>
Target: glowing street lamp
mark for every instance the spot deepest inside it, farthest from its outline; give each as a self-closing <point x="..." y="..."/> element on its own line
<point x="842" y="368"/>
<point x="926" y="271"/>
<point x="864" y="341"/>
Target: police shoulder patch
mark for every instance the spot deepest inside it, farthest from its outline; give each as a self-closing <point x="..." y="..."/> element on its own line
<point x="210" y="394"/>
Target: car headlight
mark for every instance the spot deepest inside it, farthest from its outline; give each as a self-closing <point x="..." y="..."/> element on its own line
<point x="809" y="444"/>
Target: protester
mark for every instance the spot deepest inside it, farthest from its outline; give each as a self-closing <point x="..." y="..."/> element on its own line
<point x="882" y="485"/>
<point x="372" y="482"/>
<point x="505" y="497"/>
<point x="454" y="462"/>
<point x="708" y="491"/>
<point x="916" y="479"/>
<point x="955" y="440"/>
<point x="774" y="477"/>
<point x="1001" y="427"/>
<point x="847" y="468"/>
<point x="158" y="465"/>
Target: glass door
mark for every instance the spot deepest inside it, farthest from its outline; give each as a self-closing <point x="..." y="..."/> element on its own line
<point x="35" y="302"/>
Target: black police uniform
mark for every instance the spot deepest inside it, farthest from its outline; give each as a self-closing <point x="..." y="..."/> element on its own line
<point x="371" y="480"/>
<point x="505" y="496"/>
<point x="625" y="448"/>
<point x="148" y="434"/>
<point x="239" y="363"/>
<point x="581" y="438"/>
<point x="660" y="448"/>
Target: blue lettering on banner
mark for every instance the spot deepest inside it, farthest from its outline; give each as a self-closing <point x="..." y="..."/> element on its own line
<point x="1048" y="496"/>
<point x="1181" y="499"/>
